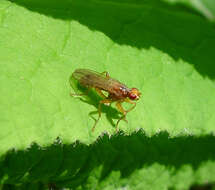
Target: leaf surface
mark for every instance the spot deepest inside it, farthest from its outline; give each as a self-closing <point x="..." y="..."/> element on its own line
<point x="167" y="54"/>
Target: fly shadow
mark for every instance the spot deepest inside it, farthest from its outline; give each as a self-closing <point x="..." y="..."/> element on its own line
<point x="89" y="96"/>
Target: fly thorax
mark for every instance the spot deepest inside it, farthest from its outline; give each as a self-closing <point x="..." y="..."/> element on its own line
<point x="124" y="91"/>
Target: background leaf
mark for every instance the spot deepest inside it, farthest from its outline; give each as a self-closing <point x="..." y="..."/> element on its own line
<point x="206" y="7"/>
<point x="165" y="50"/>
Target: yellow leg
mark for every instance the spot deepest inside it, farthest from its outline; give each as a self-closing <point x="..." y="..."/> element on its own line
<point x="99" y="110"/>
<point x="121" y="109"/>
<point x="130" y="102"/>
<point x="100" y="93"/>
<point x="124" y="112"/>
<point x="81" y="94"/>
<point x="75" y="94"/>
<point x="106" y="74"/>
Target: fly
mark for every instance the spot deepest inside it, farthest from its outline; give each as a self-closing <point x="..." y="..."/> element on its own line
<point x="117" y="92"/>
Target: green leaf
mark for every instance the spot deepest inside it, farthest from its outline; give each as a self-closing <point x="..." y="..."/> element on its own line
<point x="165" y="51"/>
<point x="205" y="7"/>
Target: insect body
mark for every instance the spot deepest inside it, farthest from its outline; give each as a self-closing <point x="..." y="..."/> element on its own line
<point x="118" y="92"/>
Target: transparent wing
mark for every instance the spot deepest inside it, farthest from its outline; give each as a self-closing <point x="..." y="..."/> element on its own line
<point x="91" y="78"/>
<point x="86" y="73"/>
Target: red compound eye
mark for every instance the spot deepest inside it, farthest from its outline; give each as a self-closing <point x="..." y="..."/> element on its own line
<point x="132" y="96"/>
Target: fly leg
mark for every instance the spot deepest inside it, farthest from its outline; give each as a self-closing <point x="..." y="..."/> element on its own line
<point x="121" y="109"/>
<point x="100" y="93"/>
<point x="106" y="74"/>
<point x="124" y="112"/>
<point x="76" y="94"/>
<point x="106" y="101"/>
<point x="81" y="94"/>
<point x="130" y="102"/>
